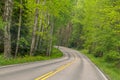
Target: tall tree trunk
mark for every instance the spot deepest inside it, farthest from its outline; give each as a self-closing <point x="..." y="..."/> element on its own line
<point x="68" y="33"/>
<point x="42" y="28"/>
<point x="19" y="28"/>
<point x="58" y="38"/>
<point x="38" y="36"/>
<point x="41" y="39"/>
<point x="34" y="30"/>
<point x="51" y="38"/>
<point x="48" y="25"/>
<point x="7" y="36"/>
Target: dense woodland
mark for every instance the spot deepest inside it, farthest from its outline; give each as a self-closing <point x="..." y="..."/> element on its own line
<point x="27" y="26"/>
<point x="33" y="27"/>
<point x="96" y="28"/>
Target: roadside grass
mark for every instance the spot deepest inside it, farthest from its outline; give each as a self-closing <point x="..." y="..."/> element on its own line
<point x="109" y="68"/>
<point x="55" y="54"/>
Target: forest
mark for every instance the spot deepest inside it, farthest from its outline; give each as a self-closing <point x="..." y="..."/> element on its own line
<point x="96" y="28"/>
<point x="27" y="27"/>
<point x="34" y="27"/>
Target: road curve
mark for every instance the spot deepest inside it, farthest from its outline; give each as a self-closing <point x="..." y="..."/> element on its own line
<point x="73" y="66"/>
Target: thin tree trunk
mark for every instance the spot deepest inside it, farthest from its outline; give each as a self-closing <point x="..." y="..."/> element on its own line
<point x="7" y="36"/>
<point x="68" y="33"/>
<point x="19" y="28"/>
<point x="34" y="30"/>
<point x="59" y="38"/>
<point x="42" y="28"/>
<point x="38" y="36"/>
<point x="51" y="33"/>
<point x="48" y="42"/>
<point x="40" y="40"/>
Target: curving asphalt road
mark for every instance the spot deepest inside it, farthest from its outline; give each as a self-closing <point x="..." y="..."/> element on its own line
<point x="73" y="66"/>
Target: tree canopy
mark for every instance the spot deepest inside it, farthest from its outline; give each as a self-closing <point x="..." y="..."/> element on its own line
<point x="33" y="27"/>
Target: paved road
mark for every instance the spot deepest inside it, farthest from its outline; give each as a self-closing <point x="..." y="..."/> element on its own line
<point x="73" y="66"/>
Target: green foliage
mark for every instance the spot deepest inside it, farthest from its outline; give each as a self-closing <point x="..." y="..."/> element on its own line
<point x="23" y="42"/>
<point x="1" y="24"/>
<point x="21" y="60"/>
<point x="1" y="34"/>
<point x="76" y="41"/>
<point x="113" y="56"/>
<point x="98" y="27"/>
<point x="55" y="54"/>
<point x="24" y="46"/>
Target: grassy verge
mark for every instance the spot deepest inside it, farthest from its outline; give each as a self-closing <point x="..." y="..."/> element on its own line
<point x="55" y="54"/>
<point x="107" y="67"/>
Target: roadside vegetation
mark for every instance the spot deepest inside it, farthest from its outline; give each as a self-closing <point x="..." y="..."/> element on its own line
<point x="96" y="28"/>
<point x="32" y="27"/>
<point x="25" y="59"/>
<point x="28" y="29"/>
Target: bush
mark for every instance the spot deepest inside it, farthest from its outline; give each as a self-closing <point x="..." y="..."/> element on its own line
<point x="98" y="52"/>
<point x="56" y="53"/>
<point x="113" y="56"/>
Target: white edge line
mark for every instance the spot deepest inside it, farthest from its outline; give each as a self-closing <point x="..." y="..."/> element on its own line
<point x="103" y="75"/>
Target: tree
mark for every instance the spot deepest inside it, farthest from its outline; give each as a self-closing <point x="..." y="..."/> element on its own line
<point x="99" y="23"/>
<point x="19" y="29"/>
<point x="7" y="35"/>
<point x="34" y="29"/>
<point x="46" y="16"/>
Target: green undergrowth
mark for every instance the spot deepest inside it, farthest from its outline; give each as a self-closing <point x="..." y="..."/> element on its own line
<point x="108" y="68"/>
<point x="55" y="54"/>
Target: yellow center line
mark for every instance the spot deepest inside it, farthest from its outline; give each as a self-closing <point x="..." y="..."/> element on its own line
<point x="44" y="75"/>
<point x="49" y="74"/>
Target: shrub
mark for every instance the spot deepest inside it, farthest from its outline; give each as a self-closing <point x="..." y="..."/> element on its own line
<point x="98" y="52"/>
<point x="113" y="56"/>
